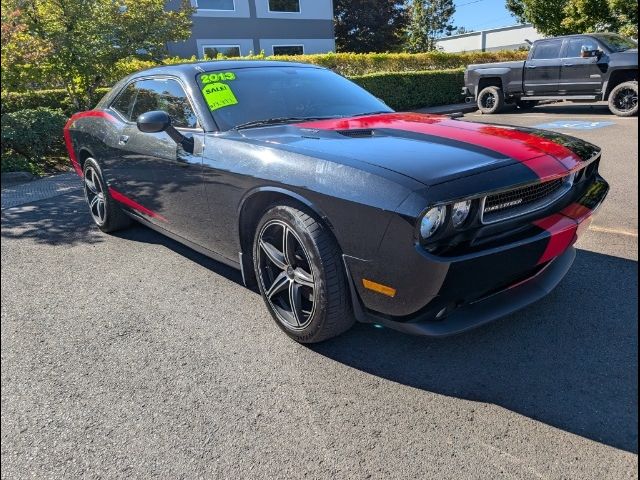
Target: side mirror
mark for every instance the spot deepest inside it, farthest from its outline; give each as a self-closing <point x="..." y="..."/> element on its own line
<point x="160" y="121"/>
<point x="588" y="51"/>
<point x="154" y="122"/>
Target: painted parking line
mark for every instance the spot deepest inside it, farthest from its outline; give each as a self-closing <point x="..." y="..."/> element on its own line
<point x="614" y="231"/>
<point x="575" y="125"/>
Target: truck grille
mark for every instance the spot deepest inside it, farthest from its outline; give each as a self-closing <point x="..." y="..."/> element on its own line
<point x="523" y="200"/>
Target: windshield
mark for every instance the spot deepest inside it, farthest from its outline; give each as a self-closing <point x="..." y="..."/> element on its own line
<point x="239" y="96"/>
<point x="616" y="43"/>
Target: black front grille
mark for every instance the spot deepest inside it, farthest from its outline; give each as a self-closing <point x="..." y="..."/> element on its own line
<point x="521" y="200"/>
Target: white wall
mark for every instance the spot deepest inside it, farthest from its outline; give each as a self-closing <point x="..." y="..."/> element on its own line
<point x="487" y="40"/>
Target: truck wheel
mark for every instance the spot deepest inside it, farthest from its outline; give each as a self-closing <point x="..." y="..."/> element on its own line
<point x="623" y="100"/>
<point x="491" y="100"/>
<point x="526" y="104"/>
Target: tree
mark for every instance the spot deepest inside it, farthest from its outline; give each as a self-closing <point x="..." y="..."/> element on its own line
<point x="87" y="37"/>
<point x="369" y="25"/>
<point x="429" y="20"/>
<point x="21" y="51"/>
<point x="562" y="17"/>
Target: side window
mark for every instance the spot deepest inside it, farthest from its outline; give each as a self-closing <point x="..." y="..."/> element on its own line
<point x="124" y="103"/>
<point x="166" y="95"/>
<point x="574" y="48"/>
<point x="547" y="50"/>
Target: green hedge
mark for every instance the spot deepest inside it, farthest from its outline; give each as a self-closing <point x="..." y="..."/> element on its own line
<point x="353" y="64"/>
<point x="400" y="90"/>
<point x="54" y="99"/>
<point x="29" y="136"/>
<point x="411" y="90"/>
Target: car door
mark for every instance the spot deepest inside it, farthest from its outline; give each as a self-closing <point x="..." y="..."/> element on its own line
<point x="542" y="70"/>
<point x="160" y="178"/>
<point x="580" y="76"/>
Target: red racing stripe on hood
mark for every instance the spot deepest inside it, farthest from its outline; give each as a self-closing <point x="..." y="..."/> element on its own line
<point x="534" y="152"/>
<point x="67" y="134"/>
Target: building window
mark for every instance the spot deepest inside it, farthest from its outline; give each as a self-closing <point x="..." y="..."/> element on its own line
<point x="212" y="51"/>
<point x="288" y="50"/>
<point x="286" y="6"/>
<point x="226" y="5"/>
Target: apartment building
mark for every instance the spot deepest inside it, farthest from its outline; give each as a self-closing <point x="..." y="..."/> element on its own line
<point x="240" y="27"/>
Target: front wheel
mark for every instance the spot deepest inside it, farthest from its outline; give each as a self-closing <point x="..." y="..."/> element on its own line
<point x="491" y="100"/>
<point x="298" y="265"/>
<point x="623" y="100"/>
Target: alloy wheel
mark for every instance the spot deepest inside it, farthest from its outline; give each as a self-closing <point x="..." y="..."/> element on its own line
<point x="489" y="100"/>
<point x="626" y="99"/>
<point x="286" y="275"/>
<point x="95" y="195"/>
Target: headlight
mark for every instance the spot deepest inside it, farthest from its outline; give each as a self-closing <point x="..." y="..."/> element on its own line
<point x="460" y="212"/>
<point x="432" y="220"/>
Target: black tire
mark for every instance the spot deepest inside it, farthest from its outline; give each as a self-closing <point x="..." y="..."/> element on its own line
<point x="286" y="271"/>
<point x="491" y="100"/>
<point x="104" y="210"/>
<point x="526" y="104"/>
<point x="623" y="100"/>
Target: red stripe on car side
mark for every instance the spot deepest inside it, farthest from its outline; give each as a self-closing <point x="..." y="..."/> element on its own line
<point x="67" y="135"/>
<point x="119" y="197"/>
<point x="562" y="232"/>
<point x="531" y="150"/>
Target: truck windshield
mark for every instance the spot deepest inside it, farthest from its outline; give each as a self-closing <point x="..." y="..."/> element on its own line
<point x="244" y="96"/>
<point x="616" y="43"/>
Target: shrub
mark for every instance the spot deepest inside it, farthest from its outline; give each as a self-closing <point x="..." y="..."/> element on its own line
<point x="351" y="64"/>
<point x="411" y="90"/>
<point x="56" y="99"/>
<point x="29" y="135"/>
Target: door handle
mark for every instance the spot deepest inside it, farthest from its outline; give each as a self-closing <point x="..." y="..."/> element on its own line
<point x="123" y="139"/>
<point x="531" y="66"/>
<point x="567" y="64"/>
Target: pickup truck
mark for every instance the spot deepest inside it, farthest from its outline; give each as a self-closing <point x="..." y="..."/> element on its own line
<point x="587" y="67"/>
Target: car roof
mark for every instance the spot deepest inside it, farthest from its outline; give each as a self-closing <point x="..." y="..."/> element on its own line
<point x="194" y="68"/>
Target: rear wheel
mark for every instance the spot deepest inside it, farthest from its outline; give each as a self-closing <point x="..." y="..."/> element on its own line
<point x="298" y="265"/>
<point x="623" y="100"/>
<point x="105" y="212"/>
<point x="491" y="100"/>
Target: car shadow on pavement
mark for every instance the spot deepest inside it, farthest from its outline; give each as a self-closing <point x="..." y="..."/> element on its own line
<point x="61" y="220"/>
<point x="569" y="361"/>
<point x="140" y="233"/>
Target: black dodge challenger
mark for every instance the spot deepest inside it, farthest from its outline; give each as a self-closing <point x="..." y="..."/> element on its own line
<point x="336" y="207"/>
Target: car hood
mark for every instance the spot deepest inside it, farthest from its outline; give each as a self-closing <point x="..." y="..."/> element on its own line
<point x="431" y="149"/>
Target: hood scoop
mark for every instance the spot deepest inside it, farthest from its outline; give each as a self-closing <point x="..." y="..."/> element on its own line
<point x="357" y="133"/>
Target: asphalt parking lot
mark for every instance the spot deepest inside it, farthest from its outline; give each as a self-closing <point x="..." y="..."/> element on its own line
<point x="133" y="356"/>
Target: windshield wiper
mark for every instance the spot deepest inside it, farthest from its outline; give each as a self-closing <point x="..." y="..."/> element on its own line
<point x="279" y="121"/>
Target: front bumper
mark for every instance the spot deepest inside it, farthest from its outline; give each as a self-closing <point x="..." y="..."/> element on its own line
<point x="489" y="308"/>
<point x="439" y="296"/>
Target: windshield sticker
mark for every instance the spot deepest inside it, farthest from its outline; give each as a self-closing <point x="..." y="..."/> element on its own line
<point x="219" y="95"/>
<point x="217" y="77"/>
